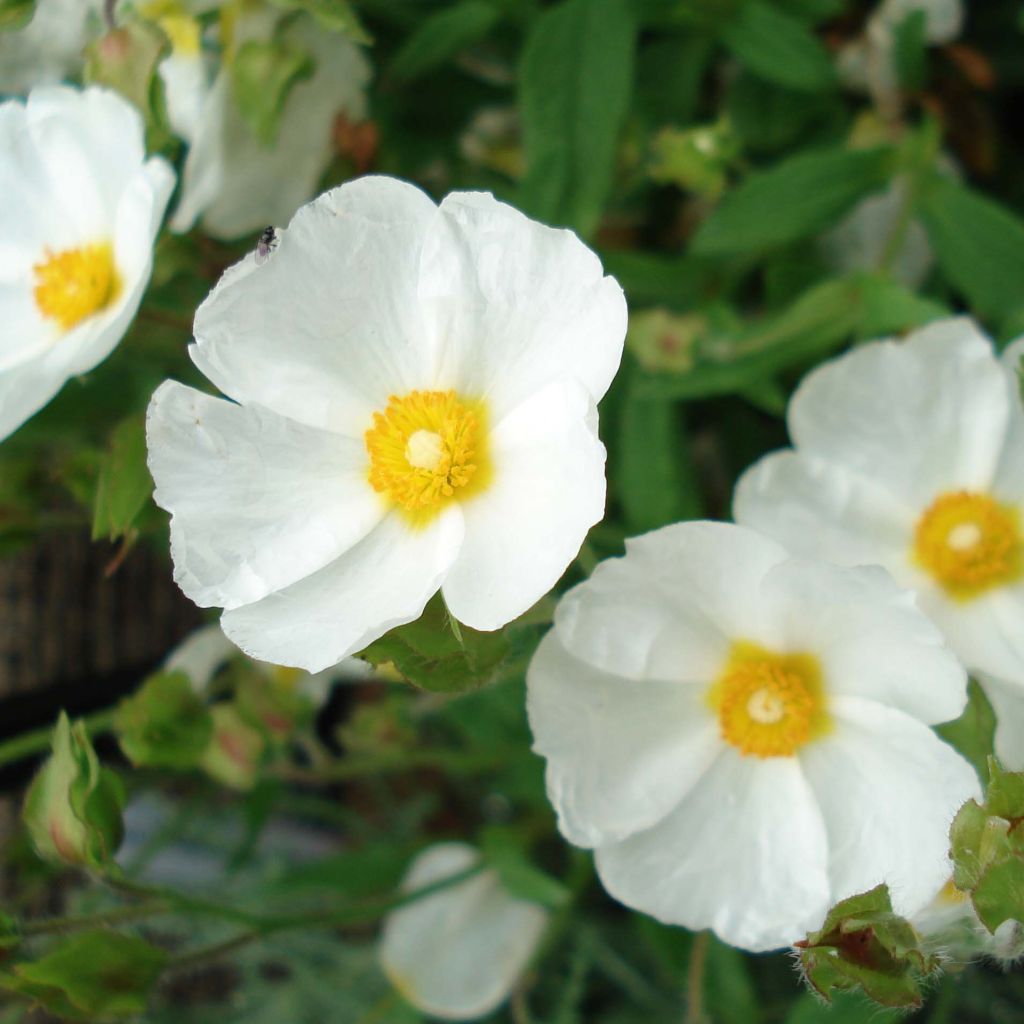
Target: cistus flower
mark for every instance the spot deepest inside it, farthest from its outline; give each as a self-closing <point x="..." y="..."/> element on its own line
<point x="910" y="455"/>
<point x="743" y="737"/>
<point x="80" y="205"/>
<point x="457" y="953"/>
<point x="415" y="390"/>
<point x="50" y="47"/>
<point x="234" y="183"/>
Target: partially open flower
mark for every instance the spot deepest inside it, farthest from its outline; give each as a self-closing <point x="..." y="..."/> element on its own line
<point x="743" y="736"/>
<point x="416" y="390"/>
<point x="910" y="455"/>
<point x="80" y="205"/>
<point x="457" y="953"/>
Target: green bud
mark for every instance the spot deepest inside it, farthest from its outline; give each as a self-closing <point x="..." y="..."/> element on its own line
<point x="73" y="806"/>
<point x="987" y="847"/>
<point x="696" y="159"/>
<point x="15" y="14"/>
<point x="235" y="751"/>
<point x="165" y="724"/>
<point x="864" y="945"/>
<point x="665" y="342"/>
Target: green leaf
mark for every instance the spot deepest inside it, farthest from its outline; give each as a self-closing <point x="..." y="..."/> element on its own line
<point x="10" y="933"/>
<point x="575" y="80"/>
<point x="126" y="60"/>
<point x="819" y="321"/>
<point x="655" y="481"/>
<point x="15" y="14"/>
<point x="798" y="197"/>
<point x="778" y="47"/>
<point x="262" y="75"/>
<point x="123" y="483"/>
<point x="502" y="849"/>
<point x="889" y="308"/>
<point x="73" y="806"/>
<point x="164" y="724"/>
<point x="429" y="655"/>
<point x="978" y="243"/>
<point x="442" y="36"/>
<point x="730" y="992"/>
<point x="844" y="1009"/>
<point x="972" y="733"/>
<point x="98" y="975"/>
<point x="334" y="15"/>
<point x="910" y="50"/>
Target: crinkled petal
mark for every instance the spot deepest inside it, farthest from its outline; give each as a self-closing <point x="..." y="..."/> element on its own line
<point x="674" y="605"/>
<point x="528" y="525"/>
<point x="823" y="510"/>
<point x="517" y="304"/>
<point x="257" y="501"/>
<point x="888" y="789"/>
<point x="620" y="753"/>
<point x="382" y="582"/>
<point x="457" y="954"/>
<point x="1009" y="479"/>
<point x="329" y="326"/>
<point x="869" y="636"/>
<point x="744" y="854"/>
<point x="919" y="417"/>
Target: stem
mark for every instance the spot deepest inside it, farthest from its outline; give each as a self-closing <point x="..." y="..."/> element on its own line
<point x="347" y="917"/>
<point x="38" y="740"/>
<point x="695" y="979"/>
<point x="50" y="925"/>
<point x="456" y="761"/>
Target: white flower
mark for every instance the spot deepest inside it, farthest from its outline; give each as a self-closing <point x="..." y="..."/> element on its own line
<point x="80" y="206"/>
<point x="416" y="390"/>
<point x="860" y="240"/>
<point x="50" y="47"/>
<point x="206" y="650"/>
<point x="910" y="455"/>
<point x="868" y="64"/>
<point x="743" y="736"/>
<point x="232" y="182"/>
<point x="457" y="953"/>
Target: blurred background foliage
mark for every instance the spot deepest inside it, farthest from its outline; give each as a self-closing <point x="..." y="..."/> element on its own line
<point x="769" y="184"/>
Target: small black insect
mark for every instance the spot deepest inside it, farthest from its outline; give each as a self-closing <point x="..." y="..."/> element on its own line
<point x="266" y="245"/>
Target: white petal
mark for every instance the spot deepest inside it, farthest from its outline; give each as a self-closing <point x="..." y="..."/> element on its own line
<point x="257" y="501"/>
<point x="528" y="525"/>
<point x="518" y="304"/>
<point x="1007" y="701"/>
<point x="985" y="632"/>
<point x="457" y="954"/>
<point x="1009" y="478"/>
<point x="869" y="637"/>
<point x="744" y="854"/>
<point x="888" y="789"/>
<point x="943" y="18"/>
<point x="384" y="581"/>
<point x="620" y="753"/>
<point x="673" y="606"/>
<point x="919" y="417"/>
<point x="26" y="388"/>
<point x="329" y="326"/>
<point x="48" y="49"/>
<point x="823" y="510"/>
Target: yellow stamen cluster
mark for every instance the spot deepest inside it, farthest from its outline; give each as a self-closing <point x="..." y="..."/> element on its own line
<point x="970" y="543"/>
<point x="769" y="705"/>
<point x="424" y="447"/>
<point x="74" y="284"/>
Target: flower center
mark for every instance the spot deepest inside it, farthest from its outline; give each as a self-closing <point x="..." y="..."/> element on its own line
<point x="768" y="704"/>
<point x="76" y="283"/>
<point x="425" y="448"/>
<point x="969" y="542"/>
